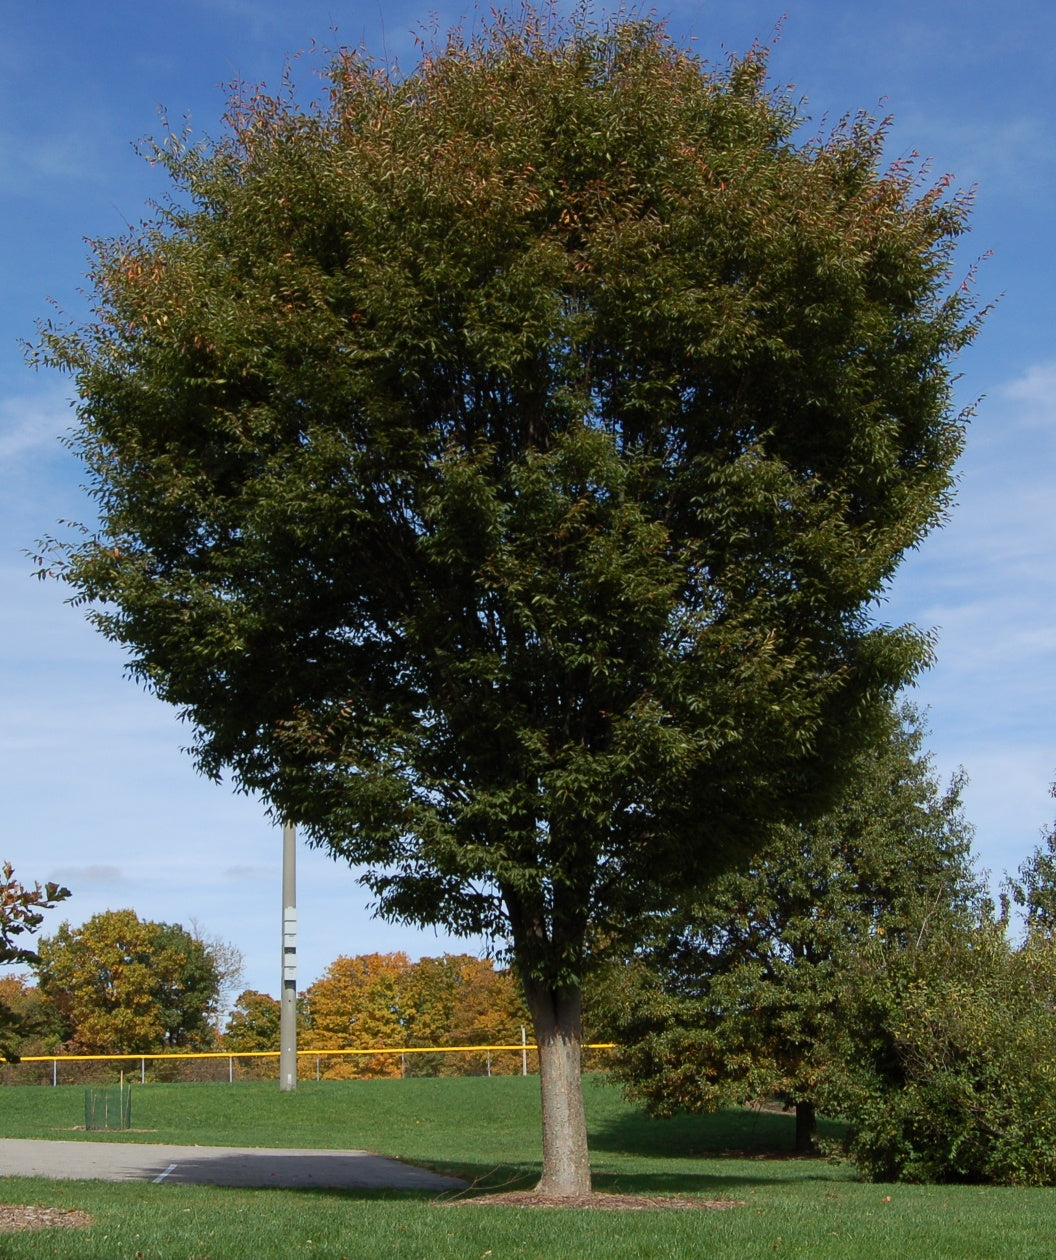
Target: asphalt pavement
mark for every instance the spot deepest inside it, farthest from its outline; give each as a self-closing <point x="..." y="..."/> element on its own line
<point x="215" y="1166"/>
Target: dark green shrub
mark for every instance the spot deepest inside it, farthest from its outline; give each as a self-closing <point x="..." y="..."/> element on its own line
<point x="947" y="1071"/>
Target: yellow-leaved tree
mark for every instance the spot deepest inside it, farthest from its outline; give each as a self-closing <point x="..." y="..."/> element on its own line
<point x="384" y="1001"/>
<point x="125" y="985"/>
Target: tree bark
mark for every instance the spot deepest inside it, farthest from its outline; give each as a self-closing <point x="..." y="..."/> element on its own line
<point x="557" y="1020"/>
<point x="806" y="1128"/>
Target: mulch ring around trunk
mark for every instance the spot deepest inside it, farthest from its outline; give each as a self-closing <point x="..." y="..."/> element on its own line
<point x="21" y="1216"/>
<point x="599" y="1202"/>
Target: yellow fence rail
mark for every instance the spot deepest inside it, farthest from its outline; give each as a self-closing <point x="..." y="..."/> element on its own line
<point x="317" y="1053"/>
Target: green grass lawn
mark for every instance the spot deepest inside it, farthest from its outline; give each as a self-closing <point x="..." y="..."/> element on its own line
<point x="487" y="1131"/>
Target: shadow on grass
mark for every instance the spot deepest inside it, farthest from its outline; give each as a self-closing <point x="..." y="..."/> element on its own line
<point x="742" y="1133"/>
<point x="736" y="1175"/>
<point x="482" y="1180"/>
<point x="734" y="1179"/>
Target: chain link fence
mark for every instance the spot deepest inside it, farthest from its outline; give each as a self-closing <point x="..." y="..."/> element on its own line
<point x="312" y="1064"/>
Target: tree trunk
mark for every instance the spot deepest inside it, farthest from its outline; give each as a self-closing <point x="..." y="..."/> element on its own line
<point x="806" y="1128"/>
<point x="556" y="1018"/>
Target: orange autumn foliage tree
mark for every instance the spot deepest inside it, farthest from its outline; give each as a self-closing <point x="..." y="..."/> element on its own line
<point x="384" y="1001"/>
<point x="353" y="1006"/>
<point x="32" y="1026"/>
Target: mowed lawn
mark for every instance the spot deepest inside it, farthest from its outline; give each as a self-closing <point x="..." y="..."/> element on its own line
<point x="486" y="1130"/>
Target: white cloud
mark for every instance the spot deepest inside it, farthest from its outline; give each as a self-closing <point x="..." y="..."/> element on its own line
<point x="1008" y="799"/>
<point x="33" y="422"/>
<point x="986" y="582"/>
<point x="31" y="164"/>
<point x="1034" y="395"/>
<point x="1001" y="525"/>
<point x="1005" y="156"/>
<point x="249" y="873"/>
<point x="93" y="876"/>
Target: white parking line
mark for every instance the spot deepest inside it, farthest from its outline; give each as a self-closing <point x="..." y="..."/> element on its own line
<point x="161" y="1176"/>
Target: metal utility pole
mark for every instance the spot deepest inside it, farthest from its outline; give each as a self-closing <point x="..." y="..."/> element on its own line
<point x="288" y="1008"/>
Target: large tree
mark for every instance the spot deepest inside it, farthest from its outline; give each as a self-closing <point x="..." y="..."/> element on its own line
<point x="497" y="464"/>
<point x="741" y="991"/>
<point x="125" y="985"/>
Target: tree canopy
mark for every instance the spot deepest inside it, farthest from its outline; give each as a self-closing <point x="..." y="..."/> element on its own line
<point x="385" y="1000"/>
<point x="254" y="1023"/>
<point x="124" y="985"/>
<point x="497" y="465"/>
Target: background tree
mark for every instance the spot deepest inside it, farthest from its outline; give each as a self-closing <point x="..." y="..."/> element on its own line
<point x="254" y="1022"/>
<point x="29" y="1025"/>
<point x="21" y="914"/>
<point x="946" y="1068"/>
<point x="127" y="985"/>
<point x="386" y="1001"/>
<point x="355" y="1005"/>
<point x="230" y="965"/>
<point x="489" y="1011"/>
<point x="1034" y="886"/>
<point x="743" y="991"/>
<point x="496" y="464"/>
<point x="459" y="1000"/>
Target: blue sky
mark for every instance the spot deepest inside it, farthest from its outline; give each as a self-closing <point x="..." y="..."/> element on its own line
<point x="96" y="790"/>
